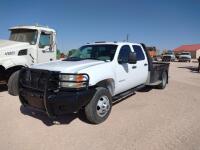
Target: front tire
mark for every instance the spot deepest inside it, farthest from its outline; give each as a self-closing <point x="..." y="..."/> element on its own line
<point x="99" y="108"/>
<point x="13" y="88"/>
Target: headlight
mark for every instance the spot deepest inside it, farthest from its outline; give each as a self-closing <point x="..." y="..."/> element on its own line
<point x="74" y="81"/>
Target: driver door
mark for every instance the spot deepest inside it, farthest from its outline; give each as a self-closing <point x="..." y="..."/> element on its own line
<point x="124" y="71"/>
<point x="45" y="51"/>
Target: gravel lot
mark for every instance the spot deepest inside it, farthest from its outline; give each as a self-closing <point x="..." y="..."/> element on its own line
<point x="149" y="120"/>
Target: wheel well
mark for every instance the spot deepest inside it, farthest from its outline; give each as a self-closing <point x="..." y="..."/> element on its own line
<point x="2" y="73"/>
<point x="10" y="71"/>
<point x="108" y="84"/>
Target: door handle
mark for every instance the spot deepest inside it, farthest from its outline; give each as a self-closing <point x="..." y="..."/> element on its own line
<point x="145" y="64"/>
<point x="134" y="67"/>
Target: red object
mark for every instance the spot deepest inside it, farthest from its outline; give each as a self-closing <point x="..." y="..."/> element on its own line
<point x="188" y="48"/>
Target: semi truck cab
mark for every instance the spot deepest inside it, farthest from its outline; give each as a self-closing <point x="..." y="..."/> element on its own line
<point x="26" y="46"/>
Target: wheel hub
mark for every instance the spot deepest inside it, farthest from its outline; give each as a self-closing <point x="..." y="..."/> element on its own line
<point x="103" y="106"/>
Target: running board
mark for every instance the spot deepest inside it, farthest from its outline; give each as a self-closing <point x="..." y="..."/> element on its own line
<point x="126" y="94"/>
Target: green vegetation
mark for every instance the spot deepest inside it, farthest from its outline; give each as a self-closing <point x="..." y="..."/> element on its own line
<point x="58" y="54"/>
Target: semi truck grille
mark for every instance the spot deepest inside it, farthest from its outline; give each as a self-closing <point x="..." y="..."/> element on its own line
<point x="39" y="80"/>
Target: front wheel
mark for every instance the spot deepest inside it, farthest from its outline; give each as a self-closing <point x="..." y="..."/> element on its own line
<point x="163" y="83"/>
<point x="99" y="108"/>
<point x="13" y="88"/>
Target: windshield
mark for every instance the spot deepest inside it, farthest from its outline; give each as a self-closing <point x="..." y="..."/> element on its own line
<point x="185" y="53"/>
<point x="24" y="35"/>
<point x="169" y="53"/>
<point x="96" y="52"/>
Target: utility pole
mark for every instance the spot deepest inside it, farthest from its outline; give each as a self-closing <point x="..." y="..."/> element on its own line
<point x="127" y="37"/>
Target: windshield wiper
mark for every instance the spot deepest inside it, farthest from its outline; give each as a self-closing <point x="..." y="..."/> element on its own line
<point x="73" y="59"/>
<point x="79" y="59"/>
<point x="96" y="59"/>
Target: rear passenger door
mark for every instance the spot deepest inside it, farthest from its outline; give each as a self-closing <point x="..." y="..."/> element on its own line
<point x="142" y="65"/>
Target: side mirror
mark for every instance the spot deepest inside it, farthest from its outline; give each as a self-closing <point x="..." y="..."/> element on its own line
<point x="132" y="58"/>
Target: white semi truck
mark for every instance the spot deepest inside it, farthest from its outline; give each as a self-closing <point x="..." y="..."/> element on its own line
<point x="27" y="45"/>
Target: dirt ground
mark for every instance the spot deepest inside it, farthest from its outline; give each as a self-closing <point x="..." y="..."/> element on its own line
<point x="149" y="120"/>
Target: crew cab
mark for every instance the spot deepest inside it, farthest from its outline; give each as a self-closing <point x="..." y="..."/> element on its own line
<point x="90" y="79"/>
<point x="26" y="46"/>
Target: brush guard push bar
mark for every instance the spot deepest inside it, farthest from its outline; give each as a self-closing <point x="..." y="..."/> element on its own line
<point x="53" y="92"/>
<point x="44" y="80"/>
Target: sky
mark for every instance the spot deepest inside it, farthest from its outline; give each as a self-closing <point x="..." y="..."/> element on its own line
<point x="165" y="24"/>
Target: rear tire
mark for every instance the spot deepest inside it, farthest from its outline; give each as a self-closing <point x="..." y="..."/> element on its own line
<point x="164" y="79"/>
<point x="13" y="88"/>
<point x="99" y="108"/>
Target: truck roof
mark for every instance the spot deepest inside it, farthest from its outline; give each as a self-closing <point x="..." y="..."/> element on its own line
<point x="115" y="43"/>
<point x="34" y="27"/>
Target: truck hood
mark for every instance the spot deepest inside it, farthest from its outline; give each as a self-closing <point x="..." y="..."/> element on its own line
<point x="10" y="44"/>
<point x="11" y="47"/>
<point x="185" y="55"/>
<point x="67" y="66"/>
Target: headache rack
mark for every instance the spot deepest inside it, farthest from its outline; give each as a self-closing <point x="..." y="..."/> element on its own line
<point x="44" y="80"/>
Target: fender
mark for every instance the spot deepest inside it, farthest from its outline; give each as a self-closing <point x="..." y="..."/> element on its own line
<point x="13" y="61"/>
<point x="102" y="74"/>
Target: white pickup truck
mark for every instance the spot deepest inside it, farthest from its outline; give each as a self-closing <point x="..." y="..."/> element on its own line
<point x="27" y="45"/>
<point x="184" y="57"/>
<point x="91" y="79"/>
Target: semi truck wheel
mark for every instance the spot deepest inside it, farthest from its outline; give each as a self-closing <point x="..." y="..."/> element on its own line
<point x="163" y="84"/>
<point x="99" y="108"/>
<point x="13" y="84"/>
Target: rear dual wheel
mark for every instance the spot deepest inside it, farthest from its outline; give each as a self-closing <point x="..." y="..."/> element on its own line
<point x="164" y="79"/>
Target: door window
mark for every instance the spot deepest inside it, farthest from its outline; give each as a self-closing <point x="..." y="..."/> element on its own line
<point x="45" y="40"/>
<point x="139" y="52"/>
<point x="124" y="53"/>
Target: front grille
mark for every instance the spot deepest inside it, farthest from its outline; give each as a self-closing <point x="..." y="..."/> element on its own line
<point x="39" y="80"/>
<point x="184" y="58"/>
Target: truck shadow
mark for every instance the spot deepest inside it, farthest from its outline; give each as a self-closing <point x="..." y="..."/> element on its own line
<point x="60" y="120"/>
<point x="3" y="88"/>
<point x="191" y="68"/>
<point x="146" y="89"/>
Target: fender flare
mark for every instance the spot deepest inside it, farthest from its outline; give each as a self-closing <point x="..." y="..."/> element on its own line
<point x="108" y="84"/>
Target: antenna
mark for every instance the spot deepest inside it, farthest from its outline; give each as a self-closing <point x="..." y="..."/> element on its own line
<point x="127" y="37"/>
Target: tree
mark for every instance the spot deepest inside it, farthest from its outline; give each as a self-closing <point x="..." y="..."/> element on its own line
<point x="58" y="54"/>
<point x="72" y="51"/>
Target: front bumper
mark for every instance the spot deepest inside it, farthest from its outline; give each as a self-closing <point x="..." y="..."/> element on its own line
<point x="184" y="59"/>
<point x="43" y="95"/>
<point x="55" y="104"/>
